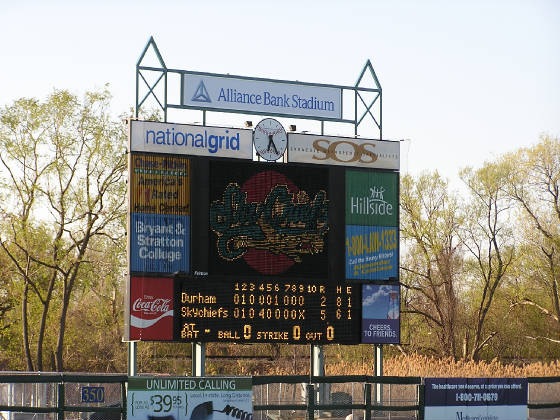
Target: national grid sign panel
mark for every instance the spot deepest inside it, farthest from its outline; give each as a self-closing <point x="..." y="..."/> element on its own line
<point x="194" y="140"/>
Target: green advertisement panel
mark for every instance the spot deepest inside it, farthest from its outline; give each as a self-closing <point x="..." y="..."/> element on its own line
<point x="372" y="198"/>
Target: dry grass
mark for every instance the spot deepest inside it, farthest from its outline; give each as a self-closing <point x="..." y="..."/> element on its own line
<point x="418" y="365"/>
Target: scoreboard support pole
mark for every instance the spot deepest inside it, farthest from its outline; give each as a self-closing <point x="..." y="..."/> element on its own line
<point x="317" y="368"/>
<point x="378" y="372"/>
<point x="198" y="359"/>
<point x="132" y="358"/>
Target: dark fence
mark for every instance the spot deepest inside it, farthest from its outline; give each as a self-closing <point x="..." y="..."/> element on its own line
<point x="103" y="396"/>
<point x="59" y="396"/>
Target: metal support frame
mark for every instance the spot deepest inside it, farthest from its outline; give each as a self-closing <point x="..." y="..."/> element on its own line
<point x="140" y="75"/>
<point x="363" y="106"/>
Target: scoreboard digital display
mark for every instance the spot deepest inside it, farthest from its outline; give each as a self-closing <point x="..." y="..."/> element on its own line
<point x="275" y="310"/>
<point x="268" y="220"/>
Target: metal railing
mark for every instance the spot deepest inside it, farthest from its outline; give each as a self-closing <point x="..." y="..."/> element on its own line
<point x="367" y="397"/>
<point x="57" y="396"/>
<point x="54" y="395"/>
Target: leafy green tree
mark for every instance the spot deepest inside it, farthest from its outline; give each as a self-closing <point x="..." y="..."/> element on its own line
<point x="63" y="166"/>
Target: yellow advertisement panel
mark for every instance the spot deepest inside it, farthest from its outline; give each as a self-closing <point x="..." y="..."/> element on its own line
<point x="160" y="184"/>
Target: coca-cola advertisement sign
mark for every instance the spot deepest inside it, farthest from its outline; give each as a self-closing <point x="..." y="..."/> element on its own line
<point x="151" y="308"/>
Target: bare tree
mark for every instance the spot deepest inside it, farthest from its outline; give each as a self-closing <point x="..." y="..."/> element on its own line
<point x="534" y="184"/>
<point x="430" y="219"/>
<point x="488" y="237"/>
<point x="65" y="164"/>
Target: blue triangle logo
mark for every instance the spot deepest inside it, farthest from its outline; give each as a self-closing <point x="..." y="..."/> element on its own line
<point x="201" y="94"/>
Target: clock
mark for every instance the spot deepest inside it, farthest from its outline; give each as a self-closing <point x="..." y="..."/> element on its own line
<point x="270" y="139"/>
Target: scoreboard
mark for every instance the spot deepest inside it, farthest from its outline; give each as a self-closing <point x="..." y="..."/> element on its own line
<point x="271" y="310"/>
<point x="232" y="250"/>
<point x="267" y="264"/>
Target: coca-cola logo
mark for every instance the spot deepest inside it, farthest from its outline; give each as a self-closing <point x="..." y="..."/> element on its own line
<point x="158" y="305"/>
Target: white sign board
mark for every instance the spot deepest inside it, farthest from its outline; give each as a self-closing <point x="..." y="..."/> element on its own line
<point x="260" y="96"/>
<point x="346" y="151"/>
<point x="184" y="398"/>
<point x="183" y="139"/>
<point x="476" y="398"/>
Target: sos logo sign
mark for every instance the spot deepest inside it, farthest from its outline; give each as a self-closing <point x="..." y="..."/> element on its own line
<point x="344" y="151"/>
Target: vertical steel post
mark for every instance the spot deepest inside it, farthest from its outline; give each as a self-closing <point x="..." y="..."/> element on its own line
<point x="421" y="401"/>
<point x="380" y="115"/>
<point x="132" y="358"/>
<point x="310" y="401"/>
<point x="318" y="369"/>
<point x="198" y="359"/>
<point x="124" y="386"/>
<point x="367" y="395"/>
<point x="355" y="112"/>
<point x="61" y="401"/>
<point x="165" y="96"/>
<point x="379" y="373"/>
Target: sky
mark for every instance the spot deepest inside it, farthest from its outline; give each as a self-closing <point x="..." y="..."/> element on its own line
<point x="463" y="81"/>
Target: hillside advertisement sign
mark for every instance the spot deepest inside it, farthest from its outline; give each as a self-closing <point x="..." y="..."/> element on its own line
<point x="372" y="233"/>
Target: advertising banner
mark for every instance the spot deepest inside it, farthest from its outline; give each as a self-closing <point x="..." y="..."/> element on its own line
<point x="372" y="198"/>
<point x="190" y="398"/>
<point x="159" y="243"/>
<point x="151" y="308"/>
<point x="261" y="96"/>
<point x="345" y="151"/>
<point x="476" y="398"/>
<point x="372" y="219"/>
<point x="268" y="220"/>
<point x="197" y="140"/>
<point x="380" y="314"/>
<point x="159" y="184"/>
<point x="372" y="253"/>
